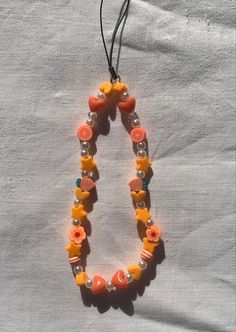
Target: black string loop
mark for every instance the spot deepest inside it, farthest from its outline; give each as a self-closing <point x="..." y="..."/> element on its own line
<point x="122" y="17"/>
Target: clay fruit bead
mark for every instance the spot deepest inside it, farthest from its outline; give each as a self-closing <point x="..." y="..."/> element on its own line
<point x="96" y="104"/>
<point x="128" y="105"/>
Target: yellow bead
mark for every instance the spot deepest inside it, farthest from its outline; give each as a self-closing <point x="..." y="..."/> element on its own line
<point x="135" y="271"/>
<point x="81" y="278"/>
<point x="149" y="245"/>
<point x="138" y="197"/>
<point x="142" y="215"/>
<point x="143" y="164"/>
<point x="78" y="212"/>
<point x="81" y="195"/>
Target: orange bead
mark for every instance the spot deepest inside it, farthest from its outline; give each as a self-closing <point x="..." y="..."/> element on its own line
<point x="149" y="245"/>
<point x="119" y="280"/>
<point x="81" y="195"/>
<point x="74" y="260"/>
<point x="146" y="255"/>
<point x="85" y="133"/>
<point x="96" y="104"/>
<point x="128" y="105"/>
<point x="135" y="271"/>
<point x="136" y="184"/>
<point x="138" y="134"/>
<point x="138" y="196"/>
<point x="99" y="285"/>
<point x="81" y="278"/>
<point x="86" y="184"/>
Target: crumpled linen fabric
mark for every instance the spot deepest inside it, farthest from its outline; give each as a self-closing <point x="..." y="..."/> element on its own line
<point x="178" y="60"/>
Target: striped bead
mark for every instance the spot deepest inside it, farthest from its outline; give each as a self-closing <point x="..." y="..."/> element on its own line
<point x="146" y="255"/>
<point x="74" y="260"/>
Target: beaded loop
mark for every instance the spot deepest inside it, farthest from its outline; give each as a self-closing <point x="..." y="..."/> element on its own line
<point x="138" y="186"/>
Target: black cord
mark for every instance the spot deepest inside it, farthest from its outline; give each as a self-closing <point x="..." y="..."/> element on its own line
<point x="122" y="16"/>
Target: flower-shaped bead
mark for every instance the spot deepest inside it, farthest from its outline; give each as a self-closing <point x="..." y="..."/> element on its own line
<point x="153" y="233"/>
<point x="77" y="234"/>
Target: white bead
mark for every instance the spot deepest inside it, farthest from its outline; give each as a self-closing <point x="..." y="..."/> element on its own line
<point x="77" y="269"/>
<point x="140" y="205"/>
<point x="142" y="264"/>
<point x="76" y="222"/>
<point x="85" y="174"/>
<point x="149" y="223"/>
<point x="140" y="174"/>
<point x="110" y="286"/>
<point x="135" y="123"/>
<point x="84" y="153"/>
<point x="90" y="122"/>
<point x="129" y="277"/>
<point x="89" y="283"/>
<point x="141" y="145"/>
<point x="141" y="154"/>
<point x="100" y="95"/>
<point x="92" y="115"/>
<point x="124" y="96"/>
<point x="85" y="145"/>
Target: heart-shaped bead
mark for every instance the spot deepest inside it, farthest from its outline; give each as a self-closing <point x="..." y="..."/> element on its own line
<point x="136" y="185"/>
<point x="99" y="285"/>
<point x="96" y="104"/>
<point x="138" y="196"/>
<point x="119" y="280"/>
<point x="86" y="184"/>
<point x="135" y="271"/>
<point x="128" y="105"/>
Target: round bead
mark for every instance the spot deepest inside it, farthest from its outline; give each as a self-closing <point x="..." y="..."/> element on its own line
<point x="76" y="222"/>
<point x="141" y="154"/>
<point x="77" y="202"/>
<point x="109" y="286"/>
<point x="124" y="96"/>
<point x="141" y="145"/>
<point x="85" y="174"/>
<point x="140" y="174"/>
<point x="77" y="269"/>
<point x="129" y="277"/>
<point x="142" y="264"/>
<point x="140" y="205"/>
<point x="85" y="145"/>
<point x="89" y="283"/>
<point x="85" y="133"/>
<point x="90" y="122"/>
<point x="138" y="135"/>
<point x="84" y="153"/>
<point x="92" y="115"/>
<point x="135" y="123"/>
<point x="149" y="223"/>
<point x="100" y="95"/>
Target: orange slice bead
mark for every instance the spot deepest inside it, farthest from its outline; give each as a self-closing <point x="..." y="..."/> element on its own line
<point x="85" y="133"/>
<point x="138" y="134"/>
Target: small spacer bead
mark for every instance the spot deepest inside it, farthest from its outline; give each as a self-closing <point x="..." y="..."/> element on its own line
<point x="140" y="205"/>
<point x="77" y="269"/>
<point x="76" y="222"/>
<point x="149" y="223"/>
<point x="142" y="264"/>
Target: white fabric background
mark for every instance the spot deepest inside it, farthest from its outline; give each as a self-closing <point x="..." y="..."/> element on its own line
<point x="178" y="61"/>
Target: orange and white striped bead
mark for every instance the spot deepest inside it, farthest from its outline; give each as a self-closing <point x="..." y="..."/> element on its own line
<point x="146" y="255"/>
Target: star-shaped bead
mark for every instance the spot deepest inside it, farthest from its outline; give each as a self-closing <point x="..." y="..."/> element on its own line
<point x="149" y="245"/>
<point x="142" y="215"/>
<point x="143" y="164"/>
<point x="87" y="164"/>
<point x="106" y="88"/>
<point x="78" y="212"/>
<point x="73" y="249"/>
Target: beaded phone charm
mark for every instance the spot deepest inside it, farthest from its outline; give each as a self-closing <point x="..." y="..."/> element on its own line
<point x="117" y="91"/>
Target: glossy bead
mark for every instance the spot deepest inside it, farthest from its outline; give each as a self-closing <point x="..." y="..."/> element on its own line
<point x="77" y="202"/>
<point x="124" y="96"/>
<point x="99" y="285"/>
<point x="85" y="145"/>
<point x="142" y="264"/>
<point x="90" y="122"/>
<point x="141" y="145"/>
<point x="119" y="280"/>
<point x="128" y="277"/>
<point x="140" y="174"/>
<point x="141" y="154"/>
<point x="100" y="95"/>
<point x="89" y="283"/>
<point x="77" y="269"/>
<point x="109" y="286"/>
<point x="140" y="205"/>
<point x="85" y="133"/>
<point x="135" y="123"/>
<point x="149" y="223"/>
<point x="76" y="222"/>
<point x="84" y="153"/>
<point x="85" y="174"/>
<point x="92" y="115"/>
